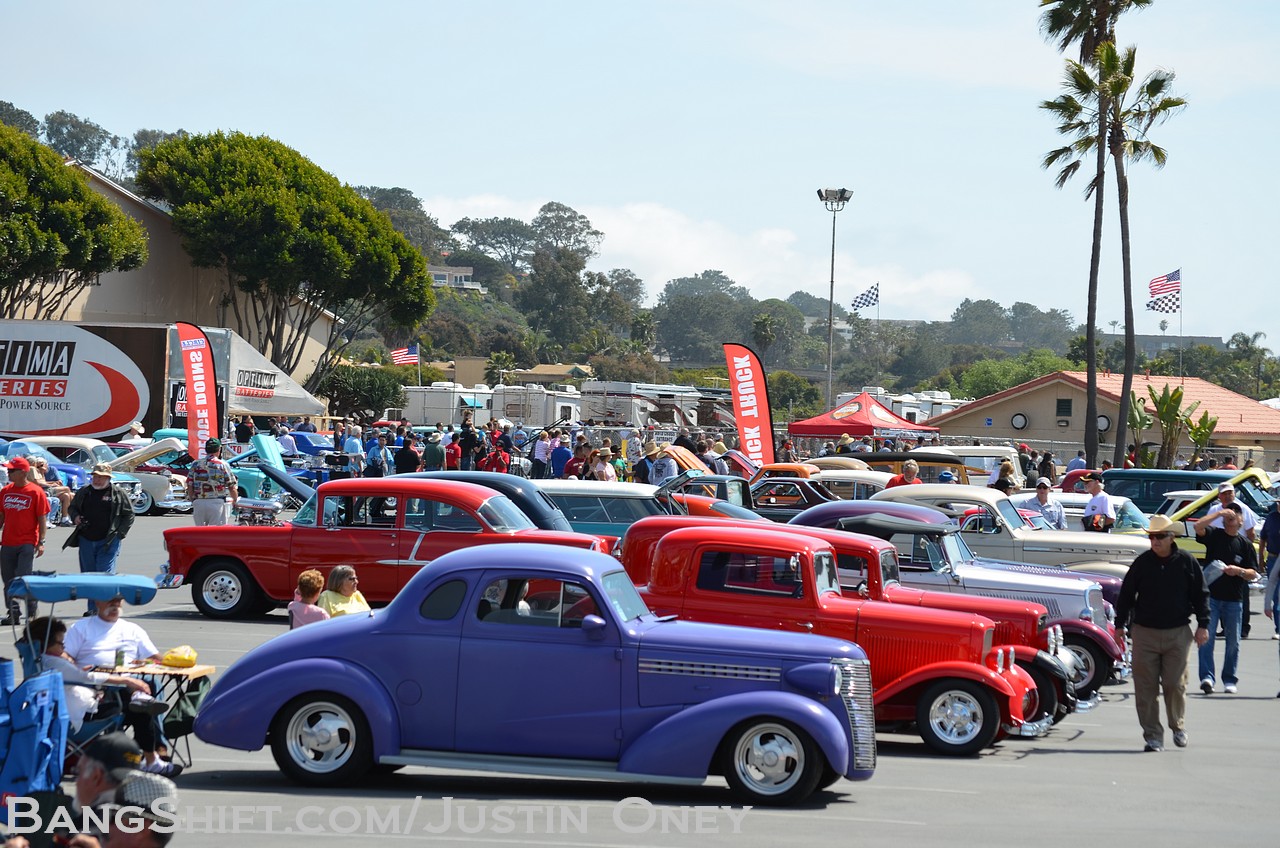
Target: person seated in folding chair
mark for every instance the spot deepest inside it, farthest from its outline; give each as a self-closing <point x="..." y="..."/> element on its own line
<point x="81" y="687"/>
<point x="94" y="641"/>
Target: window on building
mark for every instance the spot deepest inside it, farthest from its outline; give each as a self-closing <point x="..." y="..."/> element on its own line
<point x="1064" y="408"/>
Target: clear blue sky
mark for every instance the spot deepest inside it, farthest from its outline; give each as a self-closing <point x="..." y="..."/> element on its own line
<point x="695" y="134"/>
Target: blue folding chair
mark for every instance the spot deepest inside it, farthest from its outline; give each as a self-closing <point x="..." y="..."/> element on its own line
<point x="33" y="729"/>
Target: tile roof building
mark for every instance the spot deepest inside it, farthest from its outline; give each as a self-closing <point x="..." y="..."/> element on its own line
<point x="1052" y="409"/>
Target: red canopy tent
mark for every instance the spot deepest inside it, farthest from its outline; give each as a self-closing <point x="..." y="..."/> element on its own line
<point x="862" y="416"/>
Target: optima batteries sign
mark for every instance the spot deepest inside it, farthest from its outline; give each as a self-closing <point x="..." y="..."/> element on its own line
<point x="58" y="379"/>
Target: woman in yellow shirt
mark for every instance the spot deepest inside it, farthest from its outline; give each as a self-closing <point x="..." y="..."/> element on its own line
<point x="342" y="597"/>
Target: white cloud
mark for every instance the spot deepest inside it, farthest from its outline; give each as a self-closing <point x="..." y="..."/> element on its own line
<point x="659" y="244"/>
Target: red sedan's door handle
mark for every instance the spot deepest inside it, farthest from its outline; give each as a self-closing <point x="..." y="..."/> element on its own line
<point x="804" y="625"/>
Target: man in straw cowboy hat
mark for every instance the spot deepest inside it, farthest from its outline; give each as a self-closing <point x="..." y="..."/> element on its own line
<point x="1162" y="589"/>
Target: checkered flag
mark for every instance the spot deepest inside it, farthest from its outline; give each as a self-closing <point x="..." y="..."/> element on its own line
<point x="1166" y="303"/>
<point x="870" y="297"/>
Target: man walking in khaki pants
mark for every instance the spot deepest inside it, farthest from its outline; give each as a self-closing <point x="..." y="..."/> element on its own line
<point x="1162" y="589"/>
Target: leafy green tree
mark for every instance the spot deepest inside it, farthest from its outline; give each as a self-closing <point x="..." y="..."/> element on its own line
<point x="812" y="306"/>
<point x="56" y="233"/>
<point x="1036" y="328"/>
<point x="364" y="392"/>
<point x="989" y="376"/>
<point x="295" y="244"/>
<point x="557" y="227"/>
<point x="555" y="300"/>
<point x="791" y="394"/>
<point x="1088" y="24"/>
<point x="145" y="140"/>
<point x="616" y="297"/>
<point x="628" y="366"/>
<point x="508" y="240"/>
<point x="696" y="315"/>
<point x="407" y="216"/>
<point x="19" y="119"/>
<point x="982" y="322"/>
<point x="644" y="328"/>
<point x="77" y="138"/>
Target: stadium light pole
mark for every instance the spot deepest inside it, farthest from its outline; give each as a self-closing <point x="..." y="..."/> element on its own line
<point x="834" y="199"/>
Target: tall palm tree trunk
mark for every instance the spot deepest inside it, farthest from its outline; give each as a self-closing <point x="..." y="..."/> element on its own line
<point x="1091" y="320"/>
<point x="1130" y="345"/>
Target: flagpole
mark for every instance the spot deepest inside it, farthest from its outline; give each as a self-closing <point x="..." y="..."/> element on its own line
<point x="879" y="338"/>
<point x="1182" y="378"/>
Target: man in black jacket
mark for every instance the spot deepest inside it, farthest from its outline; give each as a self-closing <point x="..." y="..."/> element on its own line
<point x="102" y="516"/>
<point x="1162" y="589"/>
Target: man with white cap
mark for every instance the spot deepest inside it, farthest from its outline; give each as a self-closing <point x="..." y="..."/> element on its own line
<point x="1163" y="588"/>
<point x="1044" y="503"/>
<point x="1249" y="523"/>
<point x="1100" y="511"/>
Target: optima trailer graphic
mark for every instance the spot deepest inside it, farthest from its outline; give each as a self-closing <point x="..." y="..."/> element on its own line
<point x="61" y="379"/>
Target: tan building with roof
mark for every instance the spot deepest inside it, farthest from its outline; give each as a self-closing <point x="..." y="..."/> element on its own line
<point x="1051" y="409"/>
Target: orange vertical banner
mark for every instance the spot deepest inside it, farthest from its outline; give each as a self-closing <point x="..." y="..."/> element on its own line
<point x="202" y="387"/>
<point x="750" y="392"/>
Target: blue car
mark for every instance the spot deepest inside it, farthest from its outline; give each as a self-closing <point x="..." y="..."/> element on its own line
<point x="540" y="659"/>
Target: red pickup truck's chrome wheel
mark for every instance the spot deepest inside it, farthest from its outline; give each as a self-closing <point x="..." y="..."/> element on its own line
<point x="958" y="717"/>
<point x="772" y="763"/>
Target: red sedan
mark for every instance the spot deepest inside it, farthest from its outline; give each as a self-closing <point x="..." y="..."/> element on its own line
<point x="387" y="527"/>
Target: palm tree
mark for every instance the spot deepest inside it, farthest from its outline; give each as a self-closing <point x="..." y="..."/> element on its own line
<point x="1131" y="119"/>
<point x="499" y="367"/>
<point x="764" y="333"/>
<point x="1109" y="86"/>
<point x="1089" y="23"/>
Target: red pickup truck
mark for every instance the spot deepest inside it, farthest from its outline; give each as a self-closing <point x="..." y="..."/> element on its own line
<point x="1038" y="647"/>
<point x="938" y="670"/>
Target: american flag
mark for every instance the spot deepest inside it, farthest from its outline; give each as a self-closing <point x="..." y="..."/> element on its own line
<point x="870" y="297"/>
<point x="1166" y="284"/>
<point x="1166" y="303"/>
<point x="405" y="355"/>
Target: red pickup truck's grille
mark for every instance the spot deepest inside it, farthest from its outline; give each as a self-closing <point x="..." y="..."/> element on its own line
<point x="896" y="655"/>
<point x="1006" y="634"/>
<point x="696" y="669"/>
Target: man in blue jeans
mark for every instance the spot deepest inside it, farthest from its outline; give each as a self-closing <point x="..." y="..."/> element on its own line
<point x="1230" y="563"/>
<point x="102" y="516"/>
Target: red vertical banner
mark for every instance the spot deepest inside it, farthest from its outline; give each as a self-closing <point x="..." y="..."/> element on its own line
<point x="750" y="402"/>
<point x="202" y="387"/>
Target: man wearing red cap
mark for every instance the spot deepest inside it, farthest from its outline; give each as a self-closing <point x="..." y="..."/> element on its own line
<point x="23" y="512"/>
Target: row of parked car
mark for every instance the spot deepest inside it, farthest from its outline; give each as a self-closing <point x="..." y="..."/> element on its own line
<point x="961" y="649"/>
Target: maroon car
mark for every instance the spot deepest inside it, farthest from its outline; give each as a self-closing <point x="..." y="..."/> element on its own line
<point x="387" y="527"/>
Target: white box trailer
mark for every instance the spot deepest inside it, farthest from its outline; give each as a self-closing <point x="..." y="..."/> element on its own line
<point x="616" y="403"/>
<point x="537" y="406"/>
<point x="445" y="403"/>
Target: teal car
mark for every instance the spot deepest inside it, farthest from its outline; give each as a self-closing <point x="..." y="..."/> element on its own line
<point x="250" y="481"/>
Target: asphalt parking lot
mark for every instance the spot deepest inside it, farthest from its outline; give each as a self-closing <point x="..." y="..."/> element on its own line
<point x="1086" y="782"/>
